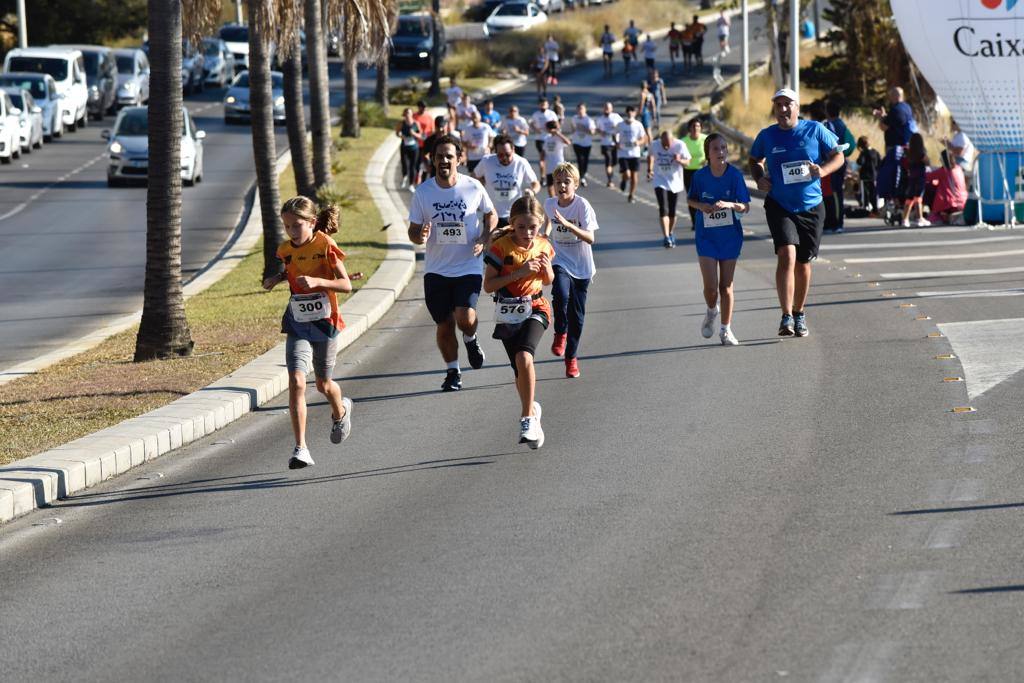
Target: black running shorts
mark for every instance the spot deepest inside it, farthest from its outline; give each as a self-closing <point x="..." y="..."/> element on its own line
<point x="629" y="164"/>
<point x="801" y="229"/>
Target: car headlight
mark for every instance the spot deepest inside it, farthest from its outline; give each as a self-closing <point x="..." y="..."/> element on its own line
<point x="230" y="99"/>
<point x="129" y="86"/>
<point x="424" y="54"/>
<point x="116" y="147"/>
<point x="279" y="101"/>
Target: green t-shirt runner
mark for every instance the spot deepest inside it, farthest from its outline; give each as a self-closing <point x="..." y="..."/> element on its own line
<point x="696" y="149"/>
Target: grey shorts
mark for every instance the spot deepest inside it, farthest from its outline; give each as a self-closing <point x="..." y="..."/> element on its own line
<point x="304" y="356"/>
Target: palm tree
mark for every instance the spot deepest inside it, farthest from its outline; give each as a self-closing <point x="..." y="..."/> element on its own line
<point x="381" y="92"/>
<point x="267" y="18"/>
<point x="295" y="118"/>
<point x="319" y="96"/>
<point x="164" y="331"/>
<point x="366" y="36"/>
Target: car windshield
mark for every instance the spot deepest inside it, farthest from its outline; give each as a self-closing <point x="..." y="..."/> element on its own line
<point x="413" y="27"/>
<point x="516" y="10"/>
<point x="36" y="86"/>
<point x="235" y="34"/>
<point x="16" y="99"/>
<point x="277" y="81"/>
<point x="92" y="64"/>
<point x="125" y="64"/>
<point x="56" y="67"/>
<point x="211" y="49"/>
<point x="135" y="122"/>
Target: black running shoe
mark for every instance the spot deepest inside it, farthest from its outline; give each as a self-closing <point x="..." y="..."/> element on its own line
<point x="475" y="353"/>
<point x="800" y="324"/>
<point x="622" y="185"/>
<point x="452" y="381"/>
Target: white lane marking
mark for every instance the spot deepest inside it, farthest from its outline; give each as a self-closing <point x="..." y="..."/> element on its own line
<point x="901" y="591"/>
<point x="962" y="491"/>
<point x="952" y="273"/>
<point x="974" y="293"/>
<point x="859" y="662"/>
<point x="43" y="190"/>
<point x="938" y="257"/>
<point x="989" y="351"/>
<point x="946" y="534"/>
<point x="977" y="454"/>
<point x="973" y="427"/>
<point x="930" y="243"/>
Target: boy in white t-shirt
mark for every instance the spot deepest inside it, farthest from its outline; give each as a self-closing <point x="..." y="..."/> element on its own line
<point x="477" y="138"/>
<point x="554" y="151"/>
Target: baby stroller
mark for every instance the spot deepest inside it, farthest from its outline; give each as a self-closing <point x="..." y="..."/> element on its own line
<point x="890" y="182"/>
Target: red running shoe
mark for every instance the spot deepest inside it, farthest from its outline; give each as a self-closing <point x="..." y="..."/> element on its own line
<point x="572" y="368"/>
<point x="558" y="345"/>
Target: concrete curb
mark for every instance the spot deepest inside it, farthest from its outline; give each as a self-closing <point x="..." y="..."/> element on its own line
<point x="43" y="478"/>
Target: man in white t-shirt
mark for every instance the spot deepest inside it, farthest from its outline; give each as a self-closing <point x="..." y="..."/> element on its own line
<point x="551" y="50"/>
<point x="477" y="138"/>
<point x="555" y="143"/>
<point x="464" y="112"/>
<point x="665" y="165"/>
<point x="446" y="216"/>
<point x="516" y="128"/>
<point x="453" y="93"/>
<point x="607" y="50"/>
<point x="583" y="129"/>
<point x="539" y="128"/>
<point x="650" y="50"/>
<point x="608" y="125"/>
<point x="507" y="177"/>
<point x="632" y="138"/>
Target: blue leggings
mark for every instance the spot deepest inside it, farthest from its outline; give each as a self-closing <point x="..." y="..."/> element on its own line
<point x="569" y="300"/>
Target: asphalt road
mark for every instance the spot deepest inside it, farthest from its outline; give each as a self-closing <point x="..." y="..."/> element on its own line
<point x="798" y="509"/>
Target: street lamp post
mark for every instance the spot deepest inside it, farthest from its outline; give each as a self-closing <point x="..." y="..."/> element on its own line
<point x="22" y="26"/>
<point x="745" y="54"/>
<point x="794" y="45"/>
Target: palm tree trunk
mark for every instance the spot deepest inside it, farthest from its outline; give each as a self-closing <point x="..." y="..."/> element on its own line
<point x="350" y="121"/>
<point x="777" y="68"/>
<point x="319" y="95"/>
<point x="295" y="117"/>
<point x="163" y="331"/>
<point x="264" y="149"/>
<point x="381" y="93"/>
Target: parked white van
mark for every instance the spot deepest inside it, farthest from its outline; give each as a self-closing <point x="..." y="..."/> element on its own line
<point x="67" y="68"/>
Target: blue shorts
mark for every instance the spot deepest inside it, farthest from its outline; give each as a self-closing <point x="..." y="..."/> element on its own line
<point x="444" y="294"/>
<point x="722" y="244"/>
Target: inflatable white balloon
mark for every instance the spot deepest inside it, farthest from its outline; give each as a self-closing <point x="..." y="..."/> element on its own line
<point x="971" y="51"/>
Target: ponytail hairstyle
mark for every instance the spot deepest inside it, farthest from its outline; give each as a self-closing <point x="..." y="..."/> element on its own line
<point x="325" y="218"/>
<point x="707" y="145"/>
<point x="527" y="205"/>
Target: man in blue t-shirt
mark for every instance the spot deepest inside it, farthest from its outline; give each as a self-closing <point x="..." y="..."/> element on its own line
<point x="787" y="161"/>
<point x="898" y="123"/>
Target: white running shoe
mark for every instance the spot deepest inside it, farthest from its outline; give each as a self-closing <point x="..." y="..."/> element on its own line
<point x="300" y="458"/>
<point x="707" y="329"/>
<point x="728" y="338"/>
<point x="530" y="431"/>
<point x="923" y="223"/>
<point x="340" y="429"/>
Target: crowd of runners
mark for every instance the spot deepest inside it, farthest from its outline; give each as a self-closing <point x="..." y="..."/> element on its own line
<point x="479" y="210"/>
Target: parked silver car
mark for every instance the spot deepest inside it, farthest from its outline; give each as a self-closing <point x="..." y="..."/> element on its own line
<point x="218" y="62"/>
<point x="10" y="135"/>
<point x="129" y="147"/>
<point x="132" y="77"/>
<point x="44" y="92"/>
<point x="192" y="62"/>
<point x="236" y="101"/>
<point x="30" y="118"/>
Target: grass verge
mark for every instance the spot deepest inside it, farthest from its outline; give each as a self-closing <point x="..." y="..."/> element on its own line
<point x="232" y="322"/>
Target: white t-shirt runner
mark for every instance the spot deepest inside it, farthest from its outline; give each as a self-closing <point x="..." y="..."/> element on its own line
<point x="650" y="49"/>
<point x="454" y="214"/>
<point x="608" y="125"/>
<point x="551" y="49"/>
<point x="478" y="141"/>
<point x="668" y="174"/>
<point x="454" y="95"/>
<point x="554" y="151"/>
<point x="582" y="130"/>
<point x="464" y="114"/>
<point x="505" y="184"/>
<point x="539" y="122"/>
<point x="516" y="128"/>
<point x="607" y="43"/>
<point x="572" y="253"/>
<point x="631" y="134"/>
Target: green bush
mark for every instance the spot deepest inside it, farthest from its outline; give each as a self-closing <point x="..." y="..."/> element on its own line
<point x="468" y="61"/>
<point x="370" y="114"/>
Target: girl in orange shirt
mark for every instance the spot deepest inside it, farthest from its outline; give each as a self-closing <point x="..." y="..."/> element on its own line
<point x="518" y="266"/>
<point x="315" y="273"/>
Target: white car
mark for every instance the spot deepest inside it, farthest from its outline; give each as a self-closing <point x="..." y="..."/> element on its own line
<point x="236" y="37"/>
<point x="30" y="118"/>
<point x="67" y="68"/>
<point x="10" y="130"/>
<point x="129" y="148"/>
<point x="219" y="62"/>
<point x="514" y="16"/>
<point x="132" y="77"/>
<point x="44" y="92"/>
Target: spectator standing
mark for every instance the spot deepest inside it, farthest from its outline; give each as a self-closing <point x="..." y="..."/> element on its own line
<point x="835" y="211"/>
<point x="898" y="125"/>
<point x="868" y="163"/>
<point x="915" y="164"/>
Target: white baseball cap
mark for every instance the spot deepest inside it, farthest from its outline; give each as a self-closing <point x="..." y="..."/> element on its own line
<point x="788" y="93"/>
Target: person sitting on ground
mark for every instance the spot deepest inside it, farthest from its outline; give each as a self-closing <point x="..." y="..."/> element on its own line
<point x="950" y="190"/>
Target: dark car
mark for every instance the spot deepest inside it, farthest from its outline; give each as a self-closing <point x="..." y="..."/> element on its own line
<point x="100" y="76"/>
<point x="413" y="41"/>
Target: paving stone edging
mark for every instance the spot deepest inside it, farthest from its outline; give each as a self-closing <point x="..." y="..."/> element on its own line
<point x="37" y="481"/>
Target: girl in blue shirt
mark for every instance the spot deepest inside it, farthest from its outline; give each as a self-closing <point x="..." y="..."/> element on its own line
<point x="719" y="194"/>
